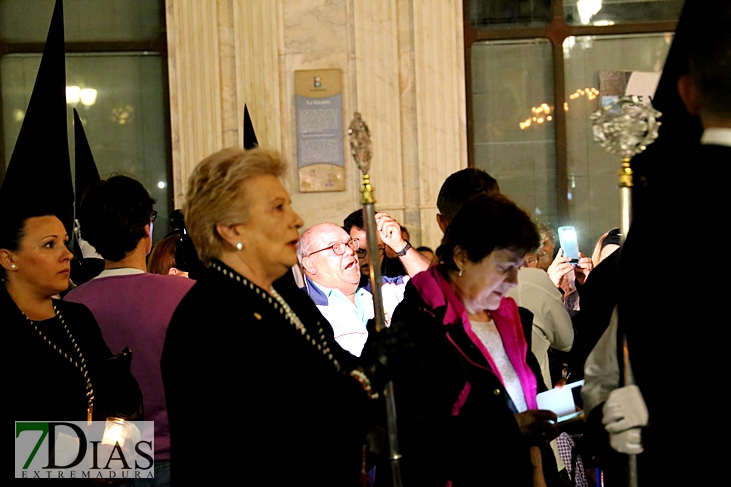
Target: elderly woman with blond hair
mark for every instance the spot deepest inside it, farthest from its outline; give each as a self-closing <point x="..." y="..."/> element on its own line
<point x="257" y="388"/>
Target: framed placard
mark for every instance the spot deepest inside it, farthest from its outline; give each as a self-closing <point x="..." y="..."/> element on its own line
<point x="319" y="113"/>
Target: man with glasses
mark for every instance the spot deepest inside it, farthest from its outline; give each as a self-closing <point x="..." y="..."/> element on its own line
<point x="133" y="308"/>
<point x="328" y="258"/>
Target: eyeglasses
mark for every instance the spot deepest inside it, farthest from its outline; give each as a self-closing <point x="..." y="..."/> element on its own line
<point x="153" y="216"/>
<point x="338" y="248"/>
<point x="363" y="253"/>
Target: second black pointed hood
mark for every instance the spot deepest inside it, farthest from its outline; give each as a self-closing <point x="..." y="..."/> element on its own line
<point x="85" y="170"/>
<point x="250" y="140"/>
<point x="85" y="175"/>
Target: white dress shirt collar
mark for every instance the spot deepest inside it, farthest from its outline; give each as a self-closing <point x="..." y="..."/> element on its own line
<point x="716" y="136"/>
<point x="122" y="271"/>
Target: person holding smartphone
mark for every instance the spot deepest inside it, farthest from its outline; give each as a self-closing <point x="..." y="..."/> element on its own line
<point x="569" y="274"/>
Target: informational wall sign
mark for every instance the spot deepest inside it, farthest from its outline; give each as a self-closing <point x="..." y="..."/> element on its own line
<point x="320" y="151"/>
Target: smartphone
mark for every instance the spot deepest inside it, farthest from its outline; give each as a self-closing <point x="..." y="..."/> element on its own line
<point x="569" y="243"/>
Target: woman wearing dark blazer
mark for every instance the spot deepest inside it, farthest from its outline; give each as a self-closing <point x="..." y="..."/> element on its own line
<point x="466" y="403"/>
<point x="257" y="389"/>
<point x="58" y="349"/>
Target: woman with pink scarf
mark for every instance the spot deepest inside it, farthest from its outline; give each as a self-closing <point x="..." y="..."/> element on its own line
<point x="466" y="402"/>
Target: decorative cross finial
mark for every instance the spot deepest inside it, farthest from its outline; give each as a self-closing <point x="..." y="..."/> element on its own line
<point x="625" y="126"/>
<point x="360" y="143"/>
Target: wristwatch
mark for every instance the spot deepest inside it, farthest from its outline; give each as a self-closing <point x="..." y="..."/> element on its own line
<point x="403" y="251"/>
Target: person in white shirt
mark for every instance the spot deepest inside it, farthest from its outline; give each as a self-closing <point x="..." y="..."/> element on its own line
<point x="327" y="256"/>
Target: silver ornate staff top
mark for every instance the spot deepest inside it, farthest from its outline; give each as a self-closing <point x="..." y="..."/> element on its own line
<point x="625" y="126"/>
<point x="360" y="143"/>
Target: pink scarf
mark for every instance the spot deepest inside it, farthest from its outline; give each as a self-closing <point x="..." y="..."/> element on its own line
<point x="436" y="292"/>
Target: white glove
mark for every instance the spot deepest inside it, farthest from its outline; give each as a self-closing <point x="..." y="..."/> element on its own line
<point x="628" y="442"/>
<point x="624" y="409"/>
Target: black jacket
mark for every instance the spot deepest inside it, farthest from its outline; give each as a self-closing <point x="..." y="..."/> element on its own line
<point x="45" y="385"/>
<point x="249" y="397"/>
<point x="482" y="444"/>
<point x="671" y="307"/>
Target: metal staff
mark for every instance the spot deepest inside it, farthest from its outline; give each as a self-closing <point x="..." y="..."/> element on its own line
<point x="360" y="149"/>
<point x="626" y="127"/>
<point x="625" y="206"/>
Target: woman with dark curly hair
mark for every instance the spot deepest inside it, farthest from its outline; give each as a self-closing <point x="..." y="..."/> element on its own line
<point x="467" y="403"/>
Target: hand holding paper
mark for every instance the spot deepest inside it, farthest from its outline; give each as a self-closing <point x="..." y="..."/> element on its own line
<point x="560" y="400"/>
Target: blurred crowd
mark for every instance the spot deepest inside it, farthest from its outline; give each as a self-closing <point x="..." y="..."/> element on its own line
<point x="256" y="347"/>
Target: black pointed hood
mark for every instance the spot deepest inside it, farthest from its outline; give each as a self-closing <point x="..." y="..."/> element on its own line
<point x="84" y="166"/>
<point x="38" y="178"/>
<point x="88" y="263"/>
<point x="250" y="140"/>
<point x="677" y="123"/>
<point x="661" y="165"/>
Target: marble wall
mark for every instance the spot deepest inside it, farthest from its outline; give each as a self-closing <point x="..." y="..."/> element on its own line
<point x="403" y="68"/>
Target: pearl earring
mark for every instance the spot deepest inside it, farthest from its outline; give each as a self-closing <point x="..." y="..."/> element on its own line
<point x="13" y="266"/>
<point x="460" y="273"/>
<point x="239" y="246"/>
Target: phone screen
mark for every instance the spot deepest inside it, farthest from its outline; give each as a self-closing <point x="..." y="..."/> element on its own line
<point x="569" y="243"/>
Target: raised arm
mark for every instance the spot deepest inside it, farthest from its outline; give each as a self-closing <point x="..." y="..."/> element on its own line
<point x="390" y="233"/>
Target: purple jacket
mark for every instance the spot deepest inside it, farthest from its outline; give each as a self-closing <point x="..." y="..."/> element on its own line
<point x="134" y="311"/>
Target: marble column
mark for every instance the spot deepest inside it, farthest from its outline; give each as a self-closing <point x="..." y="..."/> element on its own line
<point x="375" y="29"/>
<point x="195" y="86"/>
<point x="440" y="102"/>
<point x="257" y="34"/>
<point x="409" y="129"/>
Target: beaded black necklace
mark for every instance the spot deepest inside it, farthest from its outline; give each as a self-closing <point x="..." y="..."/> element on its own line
<point x="79" y="363"/>
<point x="273" y="298"/>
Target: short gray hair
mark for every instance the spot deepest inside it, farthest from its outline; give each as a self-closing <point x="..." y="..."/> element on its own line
<point x="304" y="244"/>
